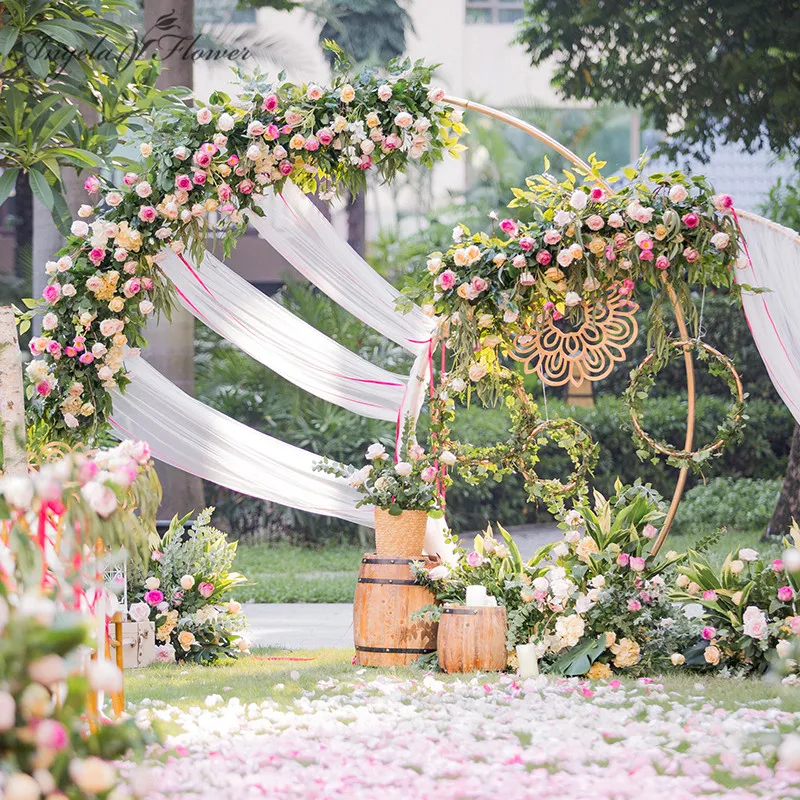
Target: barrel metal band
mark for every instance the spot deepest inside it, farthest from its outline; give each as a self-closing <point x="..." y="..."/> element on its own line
<point x="392" y="581"/>
<point x="368" y="560"/>
<point x="466" y="611"/>
<point x="414" y="650"/>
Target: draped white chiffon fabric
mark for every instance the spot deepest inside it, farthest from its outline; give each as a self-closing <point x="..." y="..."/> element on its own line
<point x="298" y="230"/>
<point x="772" y="263"/>
<point x="198" y="439"/>
<point x="270" y="333"/>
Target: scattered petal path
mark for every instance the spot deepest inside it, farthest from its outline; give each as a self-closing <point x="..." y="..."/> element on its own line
<point x="401" y="739"/>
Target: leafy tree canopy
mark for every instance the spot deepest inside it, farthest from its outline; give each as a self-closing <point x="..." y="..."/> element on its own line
<point x="725" y="71"/>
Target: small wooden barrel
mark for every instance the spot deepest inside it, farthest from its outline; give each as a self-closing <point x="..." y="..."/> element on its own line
<point x="472" y="639"/>
<point x="386" y="596"/>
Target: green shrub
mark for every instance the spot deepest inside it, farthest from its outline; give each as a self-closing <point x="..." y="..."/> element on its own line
<point x="745" y="503"/>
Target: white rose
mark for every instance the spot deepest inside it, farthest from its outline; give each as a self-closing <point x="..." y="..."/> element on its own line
<point x="403" y="119"/>
<point x="748" y="554"/>
<point x="476" y="372"/>
<point x="49" y="321"/>
<point x="458" y="384"/>
<point x="439" y="573"/>
<point x="233" y="608"/>
<point x="139" y="612"/>
<point x="720" y="240"/>
<point x="678" y="193"/>
<point x="85" y="211"/>
<point x="104" y="676"/>
<point x="71" y="421"/>
<point x="79" y="228"/>
<point x="92" y="775"/>
<point x="145" y="148"/>
<point x="225" y="122"/>
<point x="100" y="498"/>
<point x="447" y="458"/>
<point x="204" y="116"/>
<point x="784" y="648"/>
<point x="21" y="787"/>
<point x="187" y="582"/>
<point x="384" y="92"/>
<point x="17" y="491"/>
<point x="572" y="299"/>
<point x="578" y="200"/>
<point x="151" y="584"/>
<point x="376" y="452"/>
<point x="403" y="468"/>
<point x="146" y="307"/>
<point x="560" y="550"/>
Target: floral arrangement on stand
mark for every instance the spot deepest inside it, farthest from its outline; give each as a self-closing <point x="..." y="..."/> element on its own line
<point x="594" y="603"/>
<point x="202" y="170"/>
<point x="749" y="610"/>
<point x="186" y="593"/>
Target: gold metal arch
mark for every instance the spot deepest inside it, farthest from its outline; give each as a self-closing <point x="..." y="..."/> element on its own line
<point x="541" y="136"/>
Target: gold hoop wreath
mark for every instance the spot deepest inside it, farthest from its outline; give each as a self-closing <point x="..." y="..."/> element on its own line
<point x="586" y="354"/>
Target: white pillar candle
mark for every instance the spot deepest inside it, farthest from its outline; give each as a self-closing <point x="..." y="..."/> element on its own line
<point x="476" y="595"/>
<point x="528" y="663"/>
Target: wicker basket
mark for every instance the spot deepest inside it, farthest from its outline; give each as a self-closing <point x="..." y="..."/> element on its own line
<point x="401" y="535"/>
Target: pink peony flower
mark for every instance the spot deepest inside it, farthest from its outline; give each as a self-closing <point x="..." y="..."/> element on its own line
<point x="475" y="559"/>
<point x="709" y="633"/>
<point x="447" y="280"/>
<point x="785" y="594"/>
<point x="690" y="220"/>
<point x="154" y="597"/>
<point x="92" y="184"/>
<point x="206" y="589"/>
<point x="645" y="255"/>
<point x="70" y="351"/>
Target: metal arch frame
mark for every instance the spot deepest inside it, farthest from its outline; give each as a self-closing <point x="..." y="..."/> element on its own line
<point x="541" y="136"/>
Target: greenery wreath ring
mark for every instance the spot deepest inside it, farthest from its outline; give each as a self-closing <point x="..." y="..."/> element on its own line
<point x="642" y="380"/>
<point x="570" y="436"/>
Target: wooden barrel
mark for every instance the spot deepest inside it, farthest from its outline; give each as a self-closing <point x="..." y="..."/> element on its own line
<point x="472" y="639"/>
<point x="386" y="596"/>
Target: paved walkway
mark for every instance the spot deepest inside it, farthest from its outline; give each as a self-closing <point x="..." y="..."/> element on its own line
<point x="313" y="626"/>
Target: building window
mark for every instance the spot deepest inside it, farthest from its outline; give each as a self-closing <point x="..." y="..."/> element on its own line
<point x="494" y="12"/>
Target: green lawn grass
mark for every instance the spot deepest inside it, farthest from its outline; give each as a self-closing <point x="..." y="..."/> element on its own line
<point x="282" y="573"/>
<point x="256" y="678"/>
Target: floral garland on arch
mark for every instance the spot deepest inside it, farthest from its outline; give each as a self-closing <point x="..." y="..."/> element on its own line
<point x="583" y="245"/>
<point x="202" y="170"/>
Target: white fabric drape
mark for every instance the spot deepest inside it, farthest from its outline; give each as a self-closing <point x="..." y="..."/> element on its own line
<point x="271" y="334"/>
<point x="200" y="440"/>
<point x="298" y="230"/>
<point x="773" y="315"/>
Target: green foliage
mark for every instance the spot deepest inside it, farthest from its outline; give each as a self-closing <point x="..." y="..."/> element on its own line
<point x="55" y="56"/>
<point x="707" y="62"/>
<point x="783" y="204"/>
<point x="728" y="503"/>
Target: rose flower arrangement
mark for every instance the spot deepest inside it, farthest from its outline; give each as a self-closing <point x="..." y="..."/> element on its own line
<point x="749" y="609"/>
<point x="186" y="594"/>
<point x="201" y="171"/>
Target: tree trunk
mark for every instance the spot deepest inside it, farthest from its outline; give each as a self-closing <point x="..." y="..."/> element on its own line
<point x="23" y="230"/>
<point x="788" y="507"/>
<point x="170" y="346"/>
<point x="12" y="397"/>
<point x="357" y="222"/>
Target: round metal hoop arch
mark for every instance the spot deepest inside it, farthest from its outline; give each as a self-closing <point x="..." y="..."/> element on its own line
<point x="541" y="136"/>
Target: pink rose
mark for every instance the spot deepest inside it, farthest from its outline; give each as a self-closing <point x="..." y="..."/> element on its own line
<point x="447" y="280"/>
<point x="392" y="142"/>
<point x="206" y="589"/>
<point x="597" y="195"/>
<point x="623" y="559"/>
<point x="272" y="133"/>
<point x="543" y="258"/>
<point x="709" y="633"/>
<point x="156" y="555"/>
<point x="270" y="103"/>
<point x="286" y="167"/>
<point x="691" y="255"/>
<point x="183" y="182"/>
<point x="51" y="735"/>
<point x="777" y="565"/>
<point x="610" y="254"/>
<point x="202" y="159"/>
<point x="92" y="184"/>
<point x="510" y="227"/>
<point x="526" y="243"/>
<point x="475" y="559"/>
<point x="649" y="531"/>
<point x="365" y="162"/>
<point x="199" y="178"/>
<point x="246" y="186"/>
<point x="43" y="388"/>
<point x="132" y="287"/>
<point x="710" y="595"/>
<point x="71" y="352"/>
<point x="96" y="255"/>
<point x="428" y="475"/>
<point x="130" y="178"/>
<point x="637" y="564"/>
<point x="662" y="262"/>
<point x="147" y="283"/>
<point x="312" y="144"/>
<point x="224" y="192"/>
<point x="595" y="222"/>
<point x="690" y="220"/>
<point x="154" y="597"/>
<point x="325" y="136"/>
<point x="54" y="349"/>
<point x="552" y="236"/>
<point x="634" y="605"/>
<point x="479" y="284"/>
<point x="52" y="292"/>
<point x="147" y="214"/>
<point x="722" y="202"/>
<point x="785" y="594"/>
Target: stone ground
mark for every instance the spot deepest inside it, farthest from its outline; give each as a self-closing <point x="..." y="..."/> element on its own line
<point x="304" y="626"/>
